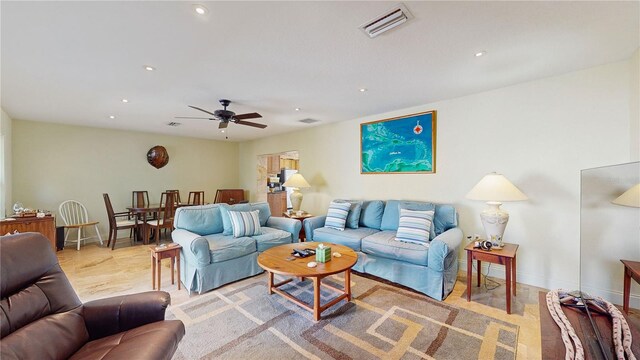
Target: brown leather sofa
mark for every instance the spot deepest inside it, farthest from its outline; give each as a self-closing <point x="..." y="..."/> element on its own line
<point x="41" y="316"/>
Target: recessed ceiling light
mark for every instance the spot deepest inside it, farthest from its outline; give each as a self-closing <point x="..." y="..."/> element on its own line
<point x="125" y="100"/>
<point x="112" y="116"/>
<point x="200" y="9"/>
<point x="480" y="53"/>
<point x="298" y="109"/>
<point x="363" y="89"/>
<point x="149" y="68"/>
<point x="222" y="131"/>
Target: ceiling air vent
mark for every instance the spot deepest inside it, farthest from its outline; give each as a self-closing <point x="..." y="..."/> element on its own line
<point x="309" y="121"/>
<point x="173" y="123"/>
<point x="396" y="16"/>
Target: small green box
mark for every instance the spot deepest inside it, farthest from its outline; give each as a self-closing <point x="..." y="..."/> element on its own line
<point x="323" y="254"/>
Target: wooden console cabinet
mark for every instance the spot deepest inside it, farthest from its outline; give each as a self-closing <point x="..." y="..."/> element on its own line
<point x="277" y="202"/>
<point x="46" y="226"/>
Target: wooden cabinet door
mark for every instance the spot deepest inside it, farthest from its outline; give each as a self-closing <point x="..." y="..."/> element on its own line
<point x="277" y="203"/>
<point x="273" y="164"/>
<point x="46" y="226"/>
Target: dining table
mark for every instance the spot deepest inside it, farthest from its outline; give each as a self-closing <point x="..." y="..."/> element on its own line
<point x="140" y="212"/>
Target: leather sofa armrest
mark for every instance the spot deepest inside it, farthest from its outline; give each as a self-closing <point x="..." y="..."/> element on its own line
<point x="444" y="249"/>
<point x="311" y="224"/>
<point x="292" y="226"/>
<point x="195" y="248"/>
<point x="112" y="315"/>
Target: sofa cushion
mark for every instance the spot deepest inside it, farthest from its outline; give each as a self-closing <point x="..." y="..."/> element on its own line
<point x="391" y="214"/>
<point x="371" y="214"/>
<point x="226" y="221"/>
<point x="245" y="223"/>
<point x="414" y="226"/>
<point x="226" y="247"/>
<point x="444" y="219"/>
<point x="265" y="211"/>
<point x="337" y="215"/>
<point x="384" y="244"/>
<point x="271" y="237"/>
<point x="201" y="219"/>
<point x="348" y="237"/>
<point x="353" y="218"/>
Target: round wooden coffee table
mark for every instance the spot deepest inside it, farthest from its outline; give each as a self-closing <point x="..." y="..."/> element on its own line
<point x="274" y="261"/>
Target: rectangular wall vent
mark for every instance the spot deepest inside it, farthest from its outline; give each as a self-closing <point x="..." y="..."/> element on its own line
<point x="396" y="16"/>
<point x="309" y="121"/>
<point x="173" y="123"/>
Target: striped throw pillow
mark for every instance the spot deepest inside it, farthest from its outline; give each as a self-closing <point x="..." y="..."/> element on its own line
<point x="337" y="215"/>
<point x="245" y="223"/>
<point x="414" y="226"/>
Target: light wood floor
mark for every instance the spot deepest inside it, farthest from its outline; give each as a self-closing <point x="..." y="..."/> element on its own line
<point x="96" y="272"/>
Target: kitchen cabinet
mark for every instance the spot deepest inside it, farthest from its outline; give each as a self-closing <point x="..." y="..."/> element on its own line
<point x="289" y="164"/>
<point x="273" y="164"/>
<point x="277" y="202"/>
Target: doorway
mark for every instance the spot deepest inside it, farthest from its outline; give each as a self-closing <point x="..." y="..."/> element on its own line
<point x="270" y="169"/>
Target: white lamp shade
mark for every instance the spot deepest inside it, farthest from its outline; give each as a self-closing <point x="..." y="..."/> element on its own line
<point x="296" y="181"/>
<point x="630" y="197"/>
<point x="496" y="187"/>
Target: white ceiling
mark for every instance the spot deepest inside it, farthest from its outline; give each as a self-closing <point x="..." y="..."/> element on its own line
<point x="73" y="62"/>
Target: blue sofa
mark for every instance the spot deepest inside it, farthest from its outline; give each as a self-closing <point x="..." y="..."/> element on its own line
<point x="430" y="269"/>
<point x="211" y="256"/>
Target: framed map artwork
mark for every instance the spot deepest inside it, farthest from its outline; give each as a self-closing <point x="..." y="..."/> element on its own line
<point x="404" y="144"/>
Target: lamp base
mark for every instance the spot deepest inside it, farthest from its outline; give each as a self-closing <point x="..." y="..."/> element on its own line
<point x="296" y="199"/>
<point x="494" y="221"/>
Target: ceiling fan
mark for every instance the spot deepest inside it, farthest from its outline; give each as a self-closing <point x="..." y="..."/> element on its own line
<point x="226" y="116"/>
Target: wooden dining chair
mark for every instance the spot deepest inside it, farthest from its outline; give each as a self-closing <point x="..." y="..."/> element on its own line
<point x="165" y="216"/>
<point x="177" y="196"/>
<point x="196" y="198"/>
<point x="74" y="215"/>
<point x="115" y="224"/>
<point x="140" y="199"/>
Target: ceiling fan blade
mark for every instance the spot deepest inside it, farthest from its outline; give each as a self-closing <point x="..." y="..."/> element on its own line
<point x="247" y="116"/>
<point x="191" y="117"/>
<point x="223" y="125"/>
<point x="197" y="108"/>
<point x="249" y="123"/>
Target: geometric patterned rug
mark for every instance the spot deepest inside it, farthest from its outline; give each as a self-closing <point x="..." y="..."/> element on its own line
<point x="242" y="321"/>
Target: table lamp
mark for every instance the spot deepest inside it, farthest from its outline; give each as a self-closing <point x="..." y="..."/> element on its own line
<point x="296" y="181"/>
<point x="494" y="189"/>
<point x="630" y="197"/>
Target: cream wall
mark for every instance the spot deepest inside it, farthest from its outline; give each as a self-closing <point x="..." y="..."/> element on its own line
<point x="634" y="105"/>
<point x="540" y="134"/>
<point x="5" y="163"/>
<point x="53" y="163"/>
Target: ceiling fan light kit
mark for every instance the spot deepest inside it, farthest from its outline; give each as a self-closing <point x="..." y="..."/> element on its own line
<point x="226" y="116"/>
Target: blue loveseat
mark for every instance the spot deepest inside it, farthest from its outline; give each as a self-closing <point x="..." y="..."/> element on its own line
<point x="430" y="269"/>
<point x="211" y="256"/>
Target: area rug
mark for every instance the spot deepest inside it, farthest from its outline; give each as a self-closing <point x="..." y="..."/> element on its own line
<point x="242" y="321"/>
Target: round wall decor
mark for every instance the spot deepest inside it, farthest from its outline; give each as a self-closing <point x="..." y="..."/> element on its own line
<point x="158" y="156"/>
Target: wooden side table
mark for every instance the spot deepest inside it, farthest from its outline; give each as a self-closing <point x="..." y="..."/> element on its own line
<point x="292" y="215"/>
<point x="631" y="270"/>
<point x="171" y="251"/>
<point x="505" y="256"/>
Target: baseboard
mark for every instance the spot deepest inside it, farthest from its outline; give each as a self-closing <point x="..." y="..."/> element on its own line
<point x="523" y="277"/>
<point x="498" y="271"/>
